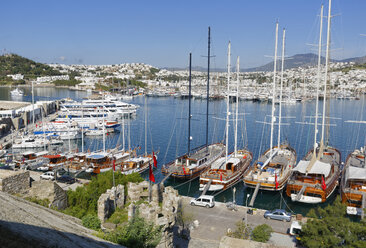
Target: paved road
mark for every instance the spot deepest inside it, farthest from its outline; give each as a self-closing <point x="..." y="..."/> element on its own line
<point x="214" y="222"/>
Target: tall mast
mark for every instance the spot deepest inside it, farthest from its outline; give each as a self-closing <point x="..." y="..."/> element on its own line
<point x="280" y="107"/>
<point x="123" y="131"/>
<point x="189" y="103"/>
<point x="82" y="127"/>
<point x="237" y="106"/>
<point x="208" y="82"/>
<point x="33" y="104"/>
<point x="227" y="101"/>
<point x="103" y="127"/>
<point x="326" y="72"/>
<point x="273" y="89"/>
<point x="318" y="79"/>
<point x="145" y="126"/>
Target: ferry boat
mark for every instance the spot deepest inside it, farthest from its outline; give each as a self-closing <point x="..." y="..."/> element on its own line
<point x="353" y="184"/>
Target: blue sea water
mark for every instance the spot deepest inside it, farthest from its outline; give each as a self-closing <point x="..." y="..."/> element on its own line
<point x="167" y="133"/>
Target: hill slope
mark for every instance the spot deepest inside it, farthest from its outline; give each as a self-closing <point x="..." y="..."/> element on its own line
<point x="15" y="64"/>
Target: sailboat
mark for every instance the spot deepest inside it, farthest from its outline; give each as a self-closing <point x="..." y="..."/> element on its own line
<point x="139" y="163"/>
<point x="195" y="162"/>
<point x="273" y="168"/>
<point x="316" y="176"/>
<point x="227" y="171"/>
<point x="353" y="184"/>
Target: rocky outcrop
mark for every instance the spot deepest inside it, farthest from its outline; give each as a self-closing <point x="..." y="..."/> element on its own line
<point x="106" y="202"/>
<point x="51" y="191"/>
<point x="14" y="182"/>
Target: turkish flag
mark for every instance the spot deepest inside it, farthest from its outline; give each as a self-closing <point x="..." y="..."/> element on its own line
<point x="114" y="165"/>
<point x="276" y="181"/>
<point x="324" y="186"/>
<point x="151" y="174"/>
<point x="155" y="162"/>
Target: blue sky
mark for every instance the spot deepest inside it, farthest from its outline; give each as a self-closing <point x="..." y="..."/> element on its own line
<point x="162" y="33"/>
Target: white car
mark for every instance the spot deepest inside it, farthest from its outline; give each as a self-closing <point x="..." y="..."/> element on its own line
<point x="49" y="175"/>
<point x="207" y="201"/>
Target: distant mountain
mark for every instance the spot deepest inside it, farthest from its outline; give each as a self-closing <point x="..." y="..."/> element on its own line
<point x="15" y="64"/>
<point x="297" y="60"/>
<point x="357" y="60"/>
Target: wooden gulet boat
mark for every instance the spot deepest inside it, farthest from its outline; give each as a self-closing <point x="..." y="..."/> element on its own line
<point x="353" y="184"/>
<point x="228" y="170"/>
<point x="273" y="168"/>
<point x="315" y="177"/>
<point x="272" y="171"/>
<point x="196" y="161"/>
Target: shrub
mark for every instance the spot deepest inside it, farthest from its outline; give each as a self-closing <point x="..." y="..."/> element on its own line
<point x="91" y="221"/>
<point x="242" y="231"/>
<point x="119" y="216"/>
<point x="84" y="200"/>
<point x="137" y="233"/>
<point x="262" y="233"/>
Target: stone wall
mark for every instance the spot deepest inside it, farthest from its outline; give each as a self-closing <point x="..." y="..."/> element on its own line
<point x="106" y="202"/>
<point x="14" y="182"/>
<point x="51" y="191"/>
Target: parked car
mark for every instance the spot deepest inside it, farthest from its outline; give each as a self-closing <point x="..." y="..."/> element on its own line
<point x="66" y="179"/>
<point x="278" y="214"/>
<point x="207" y="201"/>
<point x="295" y="229"/>
<point x="49" y="175"/>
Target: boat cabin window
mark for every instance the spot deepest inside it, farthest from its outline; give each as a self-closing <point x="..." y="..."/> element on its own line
<point x="229" y="166"/>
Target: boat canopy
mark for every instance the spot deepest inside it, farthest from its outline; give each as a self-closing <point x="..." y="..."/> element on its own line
<point x="318" y="168"/>
<point x="355" y="173"/>
<point x="97" y="156"/>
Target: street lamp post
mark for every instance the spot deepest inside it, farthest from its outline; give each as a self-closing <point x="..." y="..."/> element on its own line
<point x="246" y="210"/>
<point x="234" y="189"/>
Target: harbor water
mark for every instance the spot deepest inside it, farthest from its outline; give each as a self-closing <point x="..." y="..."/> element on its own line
<point x="167" y="133"/>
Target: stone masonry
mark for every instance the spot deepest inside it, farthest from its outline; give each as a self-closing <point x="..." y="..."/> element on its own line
<point x="14" y="182"/>
<point x="162" y="215"/>
<point x="106" y="202"/>
<point x="51" y="191"/>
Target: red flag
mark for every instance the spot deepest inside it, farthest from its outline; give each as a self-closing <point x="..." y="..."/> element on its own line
<point x="220" y="177"/>
<point x="324" y="186"/>
<point x="276" y="181"/>
<point x="155" y="162"/>
<point x="184" y="171"/>
<point x="114" y="165"/>
<point x="151" y="174"/>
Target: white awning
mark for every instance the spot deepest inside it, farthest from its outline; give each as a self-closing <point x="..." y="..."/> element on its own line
<point x="356" y="173"/>
<point x="317" y="168"/>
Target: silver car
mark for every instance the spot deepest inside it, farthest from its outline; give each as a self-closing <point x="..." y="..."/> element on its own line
<point x="278" y="214"/>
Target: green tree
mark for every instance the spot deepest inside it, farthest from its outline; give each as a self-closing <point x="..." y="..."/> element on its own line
<point x="84" y="200"/>
<point x="242" y="231"/>
<point x="262" y="233"/>
<point x="184" y="218"/>
<point x="331" y="228"/>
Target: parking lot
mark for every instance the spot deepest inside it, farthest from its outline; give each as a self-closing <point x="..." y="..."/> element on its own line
<point x="35" y="175"/>
<point x="214" y="222"/>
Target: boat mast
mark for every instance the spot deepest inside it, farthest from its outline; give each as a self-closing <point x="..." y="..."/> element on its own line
<point x="123" y="130"/>
<point x="326" y="75"/>
<point x="82" y="127"/>
<point x="32" y="104"/>
<point x="208" y="83"/>
<point x="103" y="126"/>
<point x="280" y="107"/>
<point x="273" y="90"/>
<point x="237" y="105"/>
<point x="189" y="103"/>
<point x="227" y="101"/>
<point x="318" y="79"/>
<point x="145" y="126"/>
